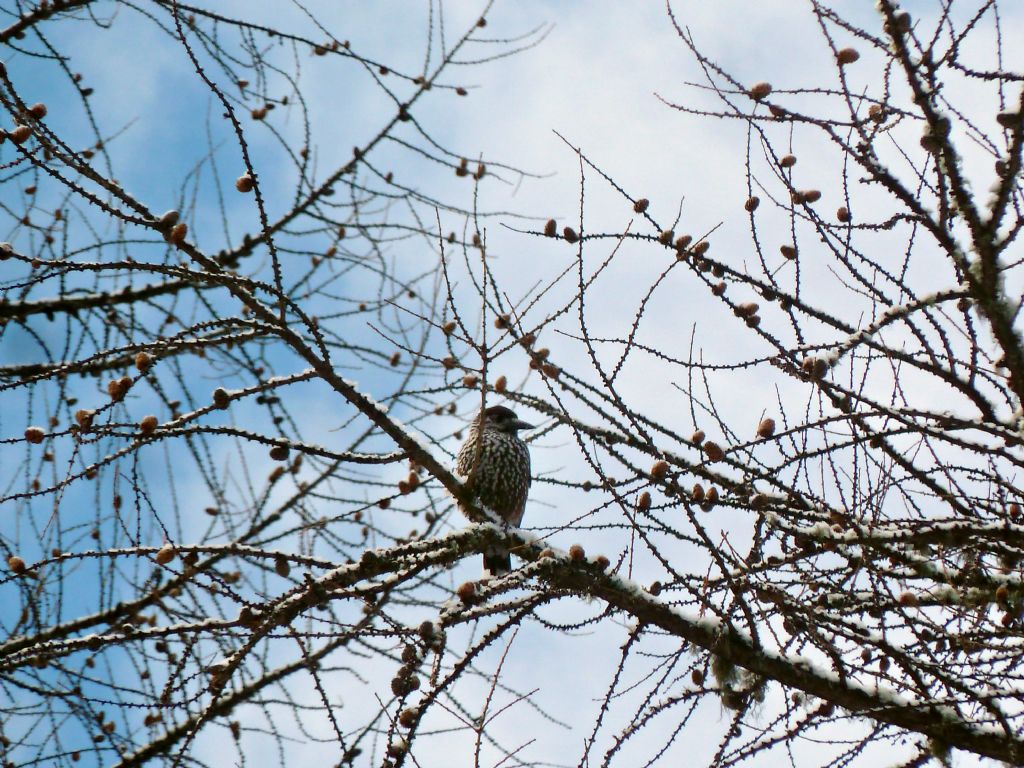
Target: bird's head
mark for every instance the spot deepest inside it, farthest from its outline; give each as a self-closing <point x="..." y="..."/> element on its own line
<point x="503" y="419"/>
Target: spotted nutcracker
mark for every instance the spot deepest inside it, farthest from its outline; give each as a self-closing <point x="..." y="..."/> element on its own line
<point x="494" y="463"/>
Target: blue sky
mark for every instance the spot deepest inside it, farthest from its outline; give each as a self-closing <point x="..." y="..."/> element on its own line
<point x="594" y="79"/>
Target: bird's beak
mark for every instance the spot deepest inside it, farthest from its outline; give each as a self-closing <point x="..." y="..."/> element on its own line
<point x="520" y="424"/>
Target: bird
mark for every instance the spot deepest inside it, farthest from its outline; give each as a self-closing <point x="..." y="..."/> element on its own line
<point x="494" y="463"/>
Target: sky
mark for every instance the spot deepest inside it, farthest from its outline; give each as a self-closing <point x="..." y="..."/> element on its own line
<point x="600" y="78"/>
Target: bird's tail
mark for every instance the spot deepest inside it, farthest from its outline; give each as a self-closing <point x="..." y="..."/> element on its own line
<point x="497" y="562"/>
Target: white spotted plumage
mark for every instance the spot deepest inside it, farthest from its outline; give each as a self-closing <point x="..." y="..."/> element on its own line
<point x="495" y="464"/>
